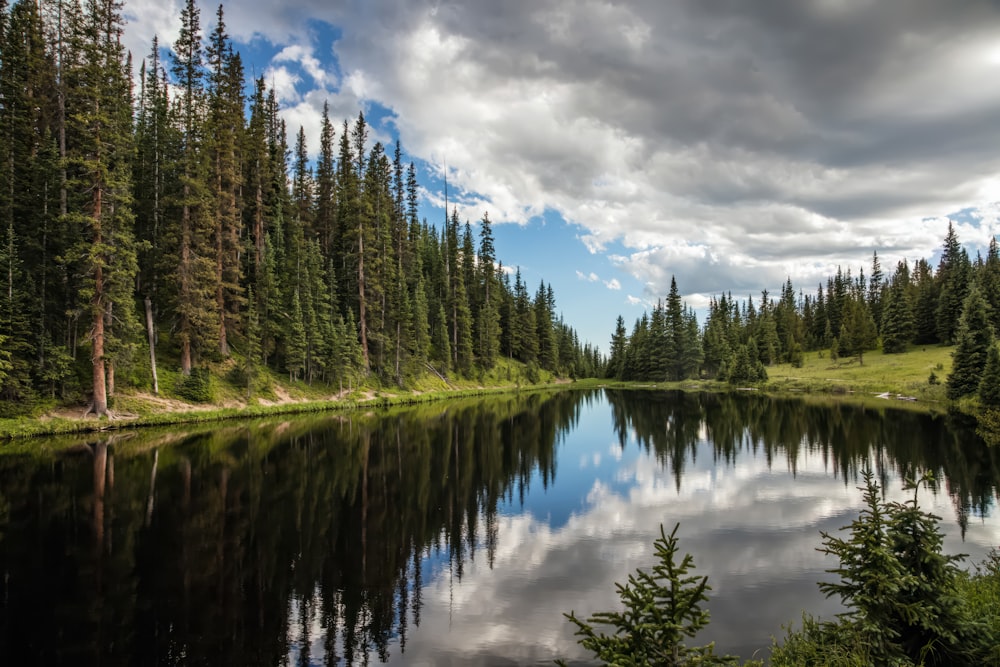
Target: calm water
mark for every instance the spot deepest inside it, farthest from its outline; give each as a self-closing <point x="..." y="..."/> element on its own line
<point x="456" y="533"/>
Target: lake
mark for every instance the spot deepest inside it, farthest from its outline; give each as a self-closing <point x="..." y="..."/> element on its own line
<point x="449" y="533"/>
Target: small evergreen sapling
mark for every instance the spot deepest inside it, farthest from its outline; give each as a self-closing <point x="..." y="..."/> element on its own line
<point x="899" y="589"/>
<point x="662" y="609"/>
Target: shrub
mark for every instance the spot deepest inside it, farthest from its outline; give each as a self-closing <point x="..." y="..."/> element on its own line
<point x="196" y="387"/>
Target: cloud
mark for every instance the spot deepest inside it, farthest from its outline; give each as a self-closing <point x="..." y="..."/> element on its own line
<point x="633" y="300"/>
<point x="613" y="284"/>
<point x="304" y="57"/>
<point x="590" y="277"/>
<point x="731" y="145"/>
<point x="284" y="83"/>
<point x="540" y="569"/>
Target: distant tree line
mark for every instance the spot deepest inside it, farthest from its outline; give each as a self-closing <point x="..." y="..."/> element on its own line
<point x="957" y="304"/>
<point x="176" y="219"/>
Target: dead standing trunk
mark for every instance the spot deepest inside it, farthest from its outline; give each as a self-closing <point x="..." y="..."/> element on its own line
<point x="152" y="344"/>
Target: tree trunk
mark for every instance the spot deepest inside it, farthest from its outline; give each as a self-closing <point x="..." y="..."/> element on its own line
<point x="152" y="344"/>
<point x="100" y="401"/>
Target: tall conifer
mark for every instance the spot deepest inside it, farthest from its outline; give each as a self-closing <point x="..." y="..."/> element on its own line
<point x="100" y="154"/>
<point x="973" y="340"/>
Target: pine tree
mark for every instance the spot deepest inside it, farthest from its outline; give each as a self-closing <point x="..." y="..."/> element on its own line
<point x="488" y="317"/>
<point x="900" y="590"/>
<point x="524" y="334"/>
<point x="457" y="301"/>
<point x="326" y="184"/>
<point x="858" y="332"/>
<point x="619" y="345"/>
<point x="548" y="353"/>
<point x="30" y="185"/>
<point x="352" y="359"/>
<point x="420" y="345"/>
<point x="897" y="315"/>
<point x="974" y="338"/>
<point x="990" y="281"/>
<point x="353" y="221"/>
<point x="156" y="139"/>
<point x="297" y="344"/>
<point x="989" y="384"/>
<point x="256" y="179"/>
<point x="440" y="344"/>
<point x="663" y="608"/>
<point x="251" y="328"/>
<point x="674" y="322"/>
<point x="876" y="291"/>
<point x="190" y="264"/>
<point x="953" y="275"/>
<point x="100" y="153"/>
<point x="691" y="354"/>
<point x="223" y="143"/>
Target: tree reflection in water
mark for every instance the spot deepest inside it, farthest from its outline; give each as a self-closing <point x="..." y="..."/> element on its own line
<point x="309" y="540"/>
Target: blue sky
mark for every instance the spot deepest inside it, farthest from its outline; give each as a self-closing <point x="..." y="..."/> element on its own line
<point x="731" y="144"/>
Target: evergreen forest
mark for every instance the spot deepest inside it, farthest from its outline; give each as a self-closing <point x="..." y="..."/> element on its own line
<point x="156" y="210"/>
<point x="159" y="212"/>
<point x="958" y="304"/>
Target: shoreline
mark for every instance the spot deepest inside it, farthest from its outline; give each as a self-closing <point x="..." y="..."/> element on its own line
<point x="878" y="384"/>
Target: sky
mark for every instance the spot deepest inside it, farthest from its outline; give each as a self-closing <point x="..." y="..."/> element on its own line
<point x="731" y="144"/>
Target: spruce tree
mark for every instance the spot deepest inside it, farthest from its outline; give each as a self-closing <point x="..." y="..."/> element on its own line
<point x="190" y="264"/>
<point x="691" y="354"/>
<point x="27" y="216"/>
<point x="858" y="332"/>
<point x="326" y="183"/>
<point x="876" y="291"/>
<point x="899" y="589"/>
<point x="953" y="276"/>
<point x="420" y="345"/>
<point x="925" y="304"/>
<point x="897" y="314"/>
<point x="223" y="143"/>
<point x="296" y="337"/>
<point x="619" y="344"/>
<point x="251" y="328"/>
<point x="675" y="331"/>
<point x="156" y="140"/>
<point x="990" y="282"/>
<point x="488" y="317"/>
<point x="100" y="153"/>
<point x="662" y="609"/>
<point x="548" y="352"/>
<point x="989" y="385"/>
<point x="974" y="338"/>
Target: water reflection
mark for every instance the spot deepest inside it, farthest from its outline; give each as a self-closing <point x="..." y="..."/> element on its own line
<point x="444" y="534"/>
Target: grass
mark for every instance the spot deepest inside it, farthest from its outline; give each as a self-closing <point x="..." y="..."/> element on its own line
<point x="900" y="375"/>
<point x="905" y="375"/>
<point x="273" y="394"/>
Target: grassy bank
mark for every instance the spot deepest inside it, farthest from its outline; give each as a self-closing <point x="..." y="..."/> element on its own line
<point x="914" y="379"/>
<point x="900" y="380"/>
<point x="271" y="394"/>
<point x="916" y="376"/>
